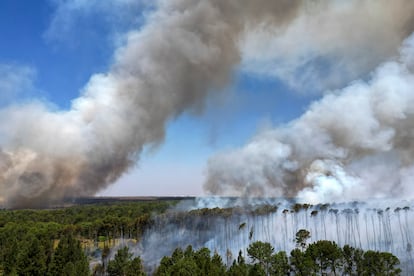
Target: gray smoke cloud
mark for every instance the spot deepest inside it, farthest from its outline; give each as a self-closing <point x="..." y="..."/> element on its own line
<point x="329" y="43"/>
<point x="186" y="51"/>
<point x="354" y="143"/>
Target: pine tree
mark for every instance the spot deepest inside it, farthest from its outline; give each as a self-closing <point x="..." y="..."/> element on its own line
<point x="69" y="258"/>
<point x="124" y="265"/>
<point x="31" y="260"/>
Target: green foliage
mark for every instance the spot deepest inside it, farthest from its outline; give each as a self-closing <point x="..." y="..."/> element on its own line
<point x="69" y="258"/>
<point x="352" y="260"/>
<point x="89" y="221"/>
<point x="27" y="239"/>
<point x="9" y="252"/>
<point x="31" y="259"/>
<point x="380" y="263"/>
<point x="265" y="210"/>
<point x="20" y="254"/>
<point x="261" y="252"/>
<point x="239" y="267"/>
<point x="300" y="263"/>
<point x="301" y="238"/>
<point x="119" y="264"/>
<point x="190" y="262"/>
<point x="257" y="270"/>
<point x="25" y="249"/>
<point x="326" y="256"/>
<point x="216" y="267"/>
<point x="320" y="258"/>
<point x="124" y="265"/>
<point x="279" y="264"/>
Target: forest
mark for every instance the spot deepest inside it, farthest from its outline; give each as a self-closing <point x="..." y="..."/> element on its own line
<point x="90" y="240"/>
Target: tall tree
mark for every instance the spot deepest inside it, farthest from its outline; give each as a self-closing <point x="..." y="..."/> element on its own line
<point x="300" y="263"/>
<point x="239" y="267"/>
<point x="190" y="262"/>
<point x="261" y="252"/>
<point x="380" y="263"/>
<point x="352" y="260"/>
<point x="32" y="258"/>
<point x="301" y="238"/>
<point x="124" y="265"/>
<point x="326" y="256"/>
<point x="118" y="266"/>
<point x="69" y="258"/>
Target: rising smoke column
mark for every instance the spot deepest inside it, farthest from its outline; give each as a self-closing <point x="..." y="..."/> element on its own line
<point x="186" y="51"/>
<point x="354" y="143"/>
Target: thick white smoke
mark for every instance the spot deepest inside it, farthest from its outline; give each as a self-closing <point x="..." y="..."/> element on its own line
<point x="186" y="50"/>
<point x="353" y="143"/>
<point x="329" y="43"/>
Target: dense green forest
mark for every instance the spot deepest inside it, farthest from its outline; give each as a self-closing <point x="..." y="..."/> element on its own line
<point x="88" y="221"/>
<point x="34" y="239"/>
<point x="59" y="241"/>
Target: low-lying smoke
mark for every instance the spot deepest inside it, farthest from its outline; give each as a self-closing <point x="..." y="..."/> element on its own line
<point x="382" y="225"/>
<point x="353" y="143"/>
<point x="186" y="51"/>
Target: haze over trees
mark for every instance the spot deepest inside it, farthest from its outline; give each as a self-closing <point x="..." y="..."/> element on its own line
<point x="59" y="241"/>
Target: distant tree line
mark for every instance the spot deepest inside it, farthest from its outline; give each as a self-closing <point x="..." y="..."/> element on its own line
<point x="90" y="221"/>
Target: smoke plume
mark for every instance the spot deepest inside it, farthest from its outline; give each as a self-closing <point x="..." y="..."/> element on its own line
<point x="329" y="43"/>
<point x="186" y="51"/>
<point x="353" y="143"/>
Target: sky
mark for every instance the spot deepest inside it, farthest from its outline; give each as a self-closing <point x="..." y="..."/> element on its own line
<point x="306" y="99"/>
<point x="50" y="49"/>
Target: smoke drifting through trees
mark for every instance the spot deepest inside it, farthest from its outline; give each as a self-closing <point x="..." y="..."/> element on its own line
<point x="378" y="225"/>
<point x="186" y="51"/>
